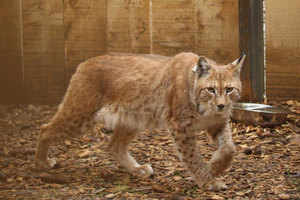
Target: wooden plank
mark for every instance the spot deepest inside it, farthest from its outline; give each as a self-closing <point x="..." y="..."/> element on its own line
<point x="172" y="26"/>
<point x="251" y="43"/>
<point x="85" y="32"/>
<point x="257" y="51"/>
<point x="245" y="47"/>
<point x="43" y="51"/>
<point x="282" y="50"/>
<point x="217" y="29"/>
<point x="128" y="26"/>
<point x="11" y="69"/>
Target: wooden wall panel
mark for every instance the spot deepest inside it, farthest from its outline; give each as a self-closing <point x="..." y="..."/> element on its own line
<point x="11" y="69"/>
<point x="172" y="26"/>
<point x="84" y="31"/>
<point x="55" y="36"/>
<point x="43" y="51"/>
<point x="217" y="29"/>
<point x="128" y="26"/>
<point x="282" y="50"/>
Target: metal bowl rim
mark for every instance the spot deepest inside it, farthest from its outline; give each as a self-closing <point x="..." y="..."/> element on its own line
<point x="253" y="107"/>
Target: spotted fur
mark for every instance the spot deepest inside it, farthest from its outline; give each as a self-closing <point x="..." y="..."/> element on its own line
<point x="129" y="93"/>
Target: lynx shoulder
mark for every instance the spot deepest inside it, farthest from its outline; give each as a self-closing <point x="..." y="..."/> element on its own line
<point x="129" y="93"/>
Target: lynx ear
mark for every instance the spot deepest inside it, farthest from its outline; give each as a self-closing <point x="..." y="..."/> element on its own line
<point x="237" y="64"/>
<point x="202" y="67"/>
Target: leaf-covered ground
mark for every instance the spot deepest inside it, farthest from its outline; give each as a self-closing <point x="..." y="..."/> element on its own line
<point x="266" y="164"/>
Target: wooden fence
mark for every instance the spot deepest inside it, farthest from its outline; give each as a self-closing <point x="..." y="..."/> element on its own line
<point x="283" y="49"/>
<point x="42" y="42"/>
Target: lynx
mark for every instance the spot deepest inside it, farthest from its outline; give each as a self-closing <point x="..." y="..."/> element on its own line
<point x="128" y="93"/>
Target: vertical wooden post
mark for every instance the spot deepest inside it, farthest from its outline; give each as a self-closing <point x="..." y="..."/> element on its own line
<point x="257" y="51"/>
<point x="251" y="43"/>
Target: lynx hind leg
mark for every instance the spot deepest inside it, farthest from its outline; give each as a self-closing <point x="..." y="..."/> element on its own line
<point x="41" y="156"/>
<point x="118" y="147"/>
<point x="74" y="117"/>
<point x="59" y="129"/>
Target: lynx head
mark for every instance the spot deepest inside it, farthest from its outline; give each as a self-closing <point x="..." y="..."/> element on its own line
<point x="216" y="87"/>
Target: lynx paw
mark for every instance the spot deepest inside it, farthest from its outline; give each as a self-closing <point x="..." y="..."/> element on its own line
<point x="45" y="166"/>
<point x="142" y="170"/>
<point x="214" y="185"/>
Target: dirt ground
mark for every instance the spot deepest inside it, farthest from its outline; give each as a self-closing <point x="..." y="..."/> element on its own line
<point x="265" y="166"/>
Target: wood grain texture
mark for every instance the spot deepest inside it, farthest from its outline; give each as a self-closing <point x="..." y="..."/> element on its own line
<point x="172" y="26"/>
<point x="282" y="50"/>
<point x="11" y="69"/>
<point x="55" y="36"/>
<point x="43" y="51"/>
<point x="245" y="47"/>
<point x="217" y="28"/>
<point x="84" y="32"/>
<point x="128" y="26"/>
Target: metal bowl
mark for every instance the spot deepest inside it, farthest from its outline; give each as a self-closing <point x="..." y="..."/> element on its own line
<point x="259" y="114"/>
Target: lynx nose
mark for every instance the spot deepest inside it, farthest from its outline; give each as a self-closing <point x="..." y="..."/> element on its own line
<point x="221" y="106"/>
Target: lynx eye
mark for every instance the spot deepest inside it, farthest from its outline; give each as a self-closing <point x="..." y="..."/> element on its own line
<point x="211" y="90"/>
<point x="229" y="90"/>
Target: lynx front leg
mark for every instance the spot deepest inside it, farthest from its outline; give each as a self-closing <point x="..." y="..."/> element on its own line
<point x="223" y="156"/>
<point x="185" y="143"/>
<point x="118" y="147"/>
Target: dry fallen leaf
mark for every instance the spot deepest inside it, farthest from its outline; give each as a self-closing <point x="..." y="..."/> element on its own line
<point x="215" y="197"/>
<point x="284" y="196"/>
<point x="109" y="196"/>
<point x="85" y="153"/>
<point x="177" y="178"/>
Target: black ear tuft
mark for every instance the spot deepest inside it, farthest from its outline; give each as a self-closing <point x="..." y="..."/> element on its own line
<point x="239" y="60"/>
<point x="202" y="66"/>
<point x="237" y="64"/>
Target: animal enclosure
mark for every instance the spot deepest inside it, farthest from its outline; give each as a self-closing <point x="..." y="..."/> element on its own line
<point x="42" y="42"/>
